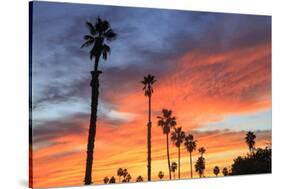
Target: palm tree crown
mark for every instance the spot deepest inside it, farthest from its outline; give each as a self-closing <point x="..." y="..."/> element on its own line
<point x="99" y="33"/>
<point x="178" y="136"/>
<point x="216" y="170"/>
<point x="202" y="150"/>
<point x="161" y="175"/>
<point x="250" y="140"/>
<point x="167" y="121"/>
<point x="190" y="143"/>
<point x="225" y="171"/>
<point x="139" y="179"/>
<point x="148" y="81"/>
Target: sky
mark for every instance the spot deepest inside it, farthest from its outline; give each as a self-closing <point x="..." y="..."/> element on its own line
<point x="213" y="70"/>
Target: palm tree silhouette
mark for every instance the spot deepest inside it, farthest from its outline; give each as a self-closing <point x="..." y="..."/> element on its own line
<point x="174" y="168"/>
<point x="166" y="122"/>
<point x="178" y="137"/>
<point x="99" y="32"/>
<point x="139" y="179"/>
<point x="120" y="173"/>
<point x="125" y="173"/>
<point x="200" y="166"/>
<point x="225" y="172"/>
<point x="106" y="180"/>
<point x="161" y="175"/>
<point x="216" y="170"/>
<point x="112" y="180"/>
<point x="148" y="81"/>
<point x="190" y="145"/>
<point x="250" y="140"/>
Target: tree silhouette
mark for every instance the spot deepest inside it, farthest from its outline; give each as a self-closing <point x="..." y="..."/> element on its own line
<point x="106" y="180"/>
<point x="161" y="175"/>
<point x="125" y="173"/>
<point x="139" y="179"/>
<point x="148" y="81"/>
<point x="127" y="178"/>
<point x="120" y="173"/>
<point x="99" y="33"/>
<point x="216" y="170"/>
<point x="225" y="171"/>
<point x="166" y="122"/>
<point x="174" y="167"/>
<point x="250" y="140"/>
<point x="190" y="145"/>
<point x="256" y="163"/>
<point x="178" y="137"/>
<point x="200" y="166"/>
<point x="112" y="180"/>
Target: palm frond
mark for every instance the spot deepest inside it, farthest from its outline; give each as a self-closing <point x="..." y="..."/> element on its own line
<point x="91" y="28"/>
<point x="88" y="43"/>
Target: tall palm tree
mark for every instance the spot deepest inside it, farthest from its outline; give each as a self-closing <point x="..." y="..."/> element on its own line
<point x="190" y="145"/>
<point x="167" y="122"/>
<point x="161" y="175"/>
<point x="216" y="170"/>
<point x="178" y="137"/>
<point x="120" y="173"/>
<point x="148" y="81"/>
<point x="99" y="33"/>
<point x="174" y="167"/>
<point x="250" y="140"/>
<point x="225" y="172"/>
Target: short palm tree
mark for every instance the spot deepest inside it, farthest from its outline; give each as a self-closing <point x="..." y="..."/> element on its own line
<point x="112" y="180"/>
<point x="174" y="167"/>
<point x="216" y="170"/>
<point x="178" y="137"/>
<point x="148" y="81"/>
<point x="120" y="173"/>
<point x="200" y="166"/>
<point x="167" y="122"/>
<point x="190" y="145"/>
<point x="99" y="33"/>
<point x="139" y="179"/>
<point x="106" y="180"/>
<point x="225" y="172"/>
<point x="250" y="140"/>
<point x="161" y="175"/>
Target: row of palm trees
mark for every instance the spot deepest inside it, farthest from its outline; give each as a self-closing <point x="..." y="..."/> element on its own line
<point x="100" y="33"/>
<point x="124" y="175"/>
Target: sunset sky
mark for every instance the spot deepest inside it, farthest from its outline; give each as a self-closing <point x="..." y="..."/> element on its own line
<point x="213" y="70"/>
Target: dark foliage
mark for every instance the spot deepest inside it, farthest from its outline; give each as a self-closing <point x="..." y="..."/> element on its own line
<point x="257" y="162"/>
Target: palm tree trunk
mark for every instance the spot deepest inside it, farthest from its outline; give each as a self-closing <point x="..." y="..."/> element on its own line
<point x="179" y="162"/>
<point x="149" y="140"/>
<point x="92" y="129"/>
<point x="168" y="155"/>
<point x="190" y="157"/>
